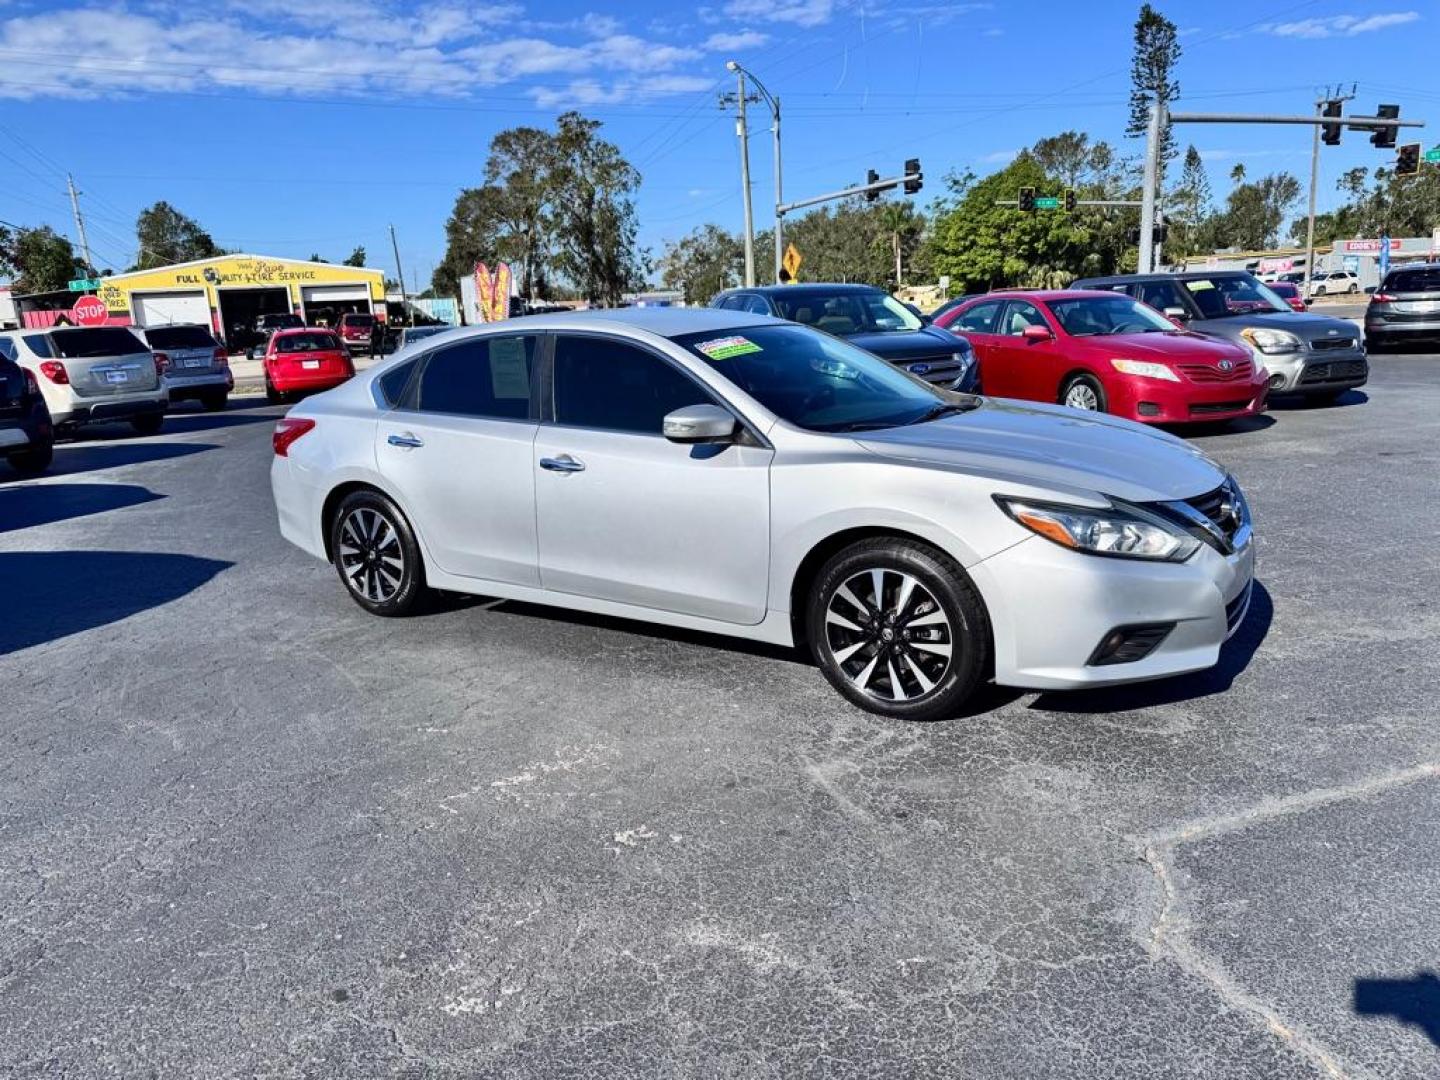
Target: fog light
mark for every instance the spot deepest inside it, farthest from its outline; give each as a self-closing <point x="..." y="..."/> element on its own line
<point x="1277" y="381"/>
<point x="1148" y="408"/>
<point x="1126" y="644"/>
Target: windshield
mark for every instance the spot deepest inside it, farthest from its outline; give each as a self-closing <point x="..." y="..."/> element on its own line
<point x="357" y="320"/>
<point x="86" y="342"/>
<point x="1220" y="298"/>
<point x="814" y="381"/>
<point x="1420" y="279"/>
<point x="179" y="337"/>
<point x="312" y="342"/>
<point x="847" y="312"/>
<point x="1094" y="316"/>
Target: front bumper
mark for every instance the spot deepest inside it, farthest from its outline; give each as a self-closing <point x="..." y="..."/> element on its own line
<point x="1335" y="369"/>
<point x="1050" y="607"/>
<point x="1151" y="401"/>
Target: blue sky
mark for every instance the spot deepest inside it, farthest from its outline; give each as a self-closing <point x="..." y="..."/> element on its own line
<point x="288" y="128"/>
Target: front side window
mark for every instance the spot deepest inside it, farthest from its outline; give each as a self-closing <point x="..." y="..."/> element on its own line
<point x="613" y="386"/>
<point x="1020" y="316"/>
<point x="980" y="319"/>
<point x="1161" y="295"/>
<point x="814" y="381"/>
<point x="1095" y="316"/>
<point x="757" y="305"/>
<point x="483" y="377"/>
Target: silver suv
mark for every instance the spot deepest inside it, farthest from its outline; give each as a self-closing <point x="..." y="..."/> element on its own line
<point x="195" y="365"/>
<point x="89" y="374"/>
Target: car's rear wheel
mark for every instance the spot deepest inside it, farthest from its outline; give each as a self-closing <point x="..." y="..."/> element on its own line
<point x="376" y="555"/>
<point x="898" y="628"/>
<point x="273" y="396"/>
<point x="149" y="424"/>
<point x="1354" y="288"/>
<point x="34" y="460"/>
<point x="1083" y="392"/>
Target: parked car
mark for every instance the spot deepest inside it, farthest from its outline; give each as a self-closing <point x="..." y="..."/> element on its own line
<point x="355" y="329"/>
<point x="302" y="361"/>
<point x="408" y="335"/>
<point x="89" y="374"/>
<point x="732" y="473"/>
<point x="1323" y="283"/>
<point x="1406" y="307"/>
<point x="1315" y="355"/>
<point x="1290" y="293"/>
<point x="27" y="437"/>
<point x="870" y="318"/>
<point x="1106" y="353"/>
<point x="194" y="365"/>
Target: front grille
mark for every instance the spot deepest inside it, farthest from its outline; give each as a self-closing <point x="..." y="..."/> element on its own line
<point x="941" y="370"/>
<point x="1341" y="369"/>
<point x="1332" y="344"/>
<point x="1205" y="373"/>
<point x="1220" y="507"/>
<point x="1235" y="609"/>
<point x="1213" y="407"/>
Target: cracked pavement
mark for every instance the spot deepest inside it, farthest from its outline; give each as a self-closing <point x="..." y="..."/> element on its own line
<point x="247" y="830"/>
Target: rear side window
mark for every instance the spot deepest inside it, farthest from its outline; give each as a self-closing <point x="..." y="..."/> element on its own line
<point x="484" y="377"/>
<point x="1161" y="295"/>
<point x="39" y="344"/>
<point x="1416" y="280"/>
<point x="980" y="319"/>
<point x="180" y="337"/>
<point x="611" y="386"/>
<point x="84" y="342"/>
<point x="313" y="342"/>
<point x="393" y="383"/>
<point x="9" y="350"/>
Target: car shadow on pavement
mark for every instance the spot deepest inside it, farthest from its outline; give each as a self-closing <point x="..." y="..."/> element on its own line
<point x="1235" y="656"/>
<point x="1415" y="1000"/>
<point x="42" y="504"/>
<point x="89" y="457"/>
<point x="1301" y="404"/>
<point x="53" y="594"/>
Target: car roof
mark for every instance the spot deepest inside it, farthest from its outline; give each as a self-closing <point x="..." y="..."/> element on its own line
<point x="1185" y="275"/>
<point x="1045" y="294"/>
<point x="809" y="288"/>
<point x="290" y="331"/>
<point x="666" y="322"/>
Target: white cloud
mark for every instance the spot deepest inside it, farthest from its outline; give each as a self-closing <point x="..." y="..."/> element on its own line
<point x="1341" y="25"/>
<point x="581" y="92"/>
<point x="734" y="42"/>
<point x="999" y="157"/>
<point x="799" y="12"/>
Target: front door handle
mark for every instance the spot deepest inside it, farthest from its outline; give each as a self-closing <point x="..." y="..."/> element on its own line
<point x="563" y="464"/>
<point x="408" y="441"/>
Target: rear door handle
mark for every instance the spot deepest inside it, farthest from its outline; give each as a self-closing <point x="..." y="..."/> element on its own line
<point x="406" y="440"/>
<point x="563" y="464"/>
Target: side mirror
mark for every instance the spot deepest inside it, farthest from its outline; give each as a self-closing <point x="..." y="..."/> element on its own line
<point x="1033" y="334"/>
<point x="1177" y="314"/>
<point x="699" y="424"/>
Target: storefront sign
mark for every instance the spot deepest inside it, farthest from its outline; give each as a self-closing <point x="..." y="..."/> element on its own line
<point x="1372" y="246"/>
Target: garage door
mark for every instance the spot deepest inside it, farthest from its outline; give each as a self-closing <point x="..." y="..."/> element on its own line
<point x="328" y="294"/>
<point x="165" y="309"/>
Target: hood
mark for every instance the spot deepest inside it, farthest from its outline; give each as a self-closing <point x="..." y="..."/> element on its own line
<point x="1306" y="325"/>
<point x="924" y="344"/>
<point x="1052" y="446"/>
<point x="1181" y="346"/>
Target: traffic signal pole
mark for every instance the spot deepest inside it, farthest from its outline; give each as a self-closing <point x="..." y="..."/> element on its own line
<point x="1148" y="195"/>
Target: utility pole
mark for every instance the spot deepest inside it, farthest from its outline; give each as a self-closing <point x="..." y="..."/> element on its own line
<point x="742" y="130"/>
<point x="1149" y="195"/>
<point x="400" y="274"/>
<point x="1328" y="99"/>
<point x="79" y="223"/>
<point x="779" y="220"/>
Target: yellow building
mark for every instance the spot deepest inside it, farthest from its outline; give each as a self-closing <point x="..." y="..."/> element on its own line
<point x="230" y="292"/>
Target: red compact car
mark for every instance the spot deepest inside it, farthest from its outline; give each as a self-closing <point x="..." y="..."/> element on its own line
<point x="303" y="360"/>
<point x="1290" y="293"/>
<point x="1105" y="352"/>
<point x="355" y="329"/>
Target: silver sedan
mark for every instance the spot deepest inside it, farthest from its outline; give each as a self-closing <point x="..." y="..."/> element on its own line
<point x="741" y="475"/>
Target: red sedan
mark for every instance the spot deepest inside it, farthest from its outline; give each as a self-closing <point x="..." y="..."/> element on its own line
<point x="1290" y="293"/>
<point x="302" y="360"/>
<point x="1105" y="352"/>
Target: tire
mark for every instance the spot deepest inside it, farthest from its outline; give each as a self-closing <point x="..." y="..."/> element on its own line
<point x="861" y="651"/>
<point x="1353" y="289"/>
<point x="273" y="396"/>
<point x="34" y="460"/>
<point x="1087" y="388"/>
<point x="149" y="424"/>
<point x="215" y="402"/>
<point x="1376" y="344"/>
<point x="368" y="537"/>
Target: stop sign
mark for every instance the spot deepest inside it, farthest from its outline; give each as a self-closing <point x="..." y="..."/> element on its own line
<point x="90" y="311"/>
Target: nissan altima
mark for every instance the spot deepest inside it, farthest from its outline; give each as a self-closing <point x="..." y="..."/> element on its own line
<point x="742" y="475"/>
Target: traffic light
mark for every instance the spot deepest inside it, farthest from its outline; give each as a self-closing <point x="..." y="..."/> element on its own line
<point x="1385" y="137"/>
<point x="1330" y="133"/>
<point x="1027" y="199"/>
<point x="1160" y="233"/>
<point x="1407" y="160"/>
<point x="1070" y="200"/>
<point x="913" y="176"/>
<point x="872" y="177"/>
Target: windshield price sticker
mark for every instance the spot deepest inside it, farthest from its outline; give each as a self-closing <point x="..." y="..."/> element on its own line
<point x="726" y="347"/>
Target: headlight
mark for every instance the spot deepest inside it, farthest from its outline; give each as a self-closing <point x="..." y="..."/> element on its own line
<point x="1271" y="341"/>
<point x="1122" y="531"/>
<point x="1146" y="368"/>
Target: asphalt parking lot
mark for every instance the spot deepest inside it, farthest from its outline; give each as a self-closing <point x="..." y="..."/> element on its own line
<point x="248" y="830"/>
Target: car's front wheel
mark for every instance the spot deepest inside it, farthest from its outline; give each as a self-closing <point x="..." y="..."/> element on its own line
<point x="898" y="628"/>
<point x="376" y="555"/>
<point x="34" y="460"/>
<point x="149" y="424"/>
<point x="1083" y="392"/>
<point x="214" y="402"/>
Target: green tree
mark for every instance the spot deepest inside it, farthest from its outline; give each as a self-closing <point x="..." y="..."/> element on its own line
<point x="595" y="223"/>
<point x="472" y="234"/>
<point x="356" y="257"/>
<point x="315" y="257"/>
<point x="1254" y="213"/>
<point x="1188" y="205"/>
<point x="39" y="260"/>
<point x="1152" y="68"/>
<point x="167" y="236"/>
<point x="702" y="263"/>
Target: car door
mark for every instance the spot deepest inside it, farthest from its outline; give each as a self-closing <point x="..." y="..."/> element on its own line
<point x="977" y="325"/>
<point x="1022" y="368"/>
<point x="628" y="516"/>
<point x="458" y="448"/>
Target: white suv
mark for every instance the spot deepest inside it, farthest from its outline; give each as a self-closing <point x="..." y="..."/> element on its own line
<point x="89" y="374"/>
<point x="1337" y="281"/>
